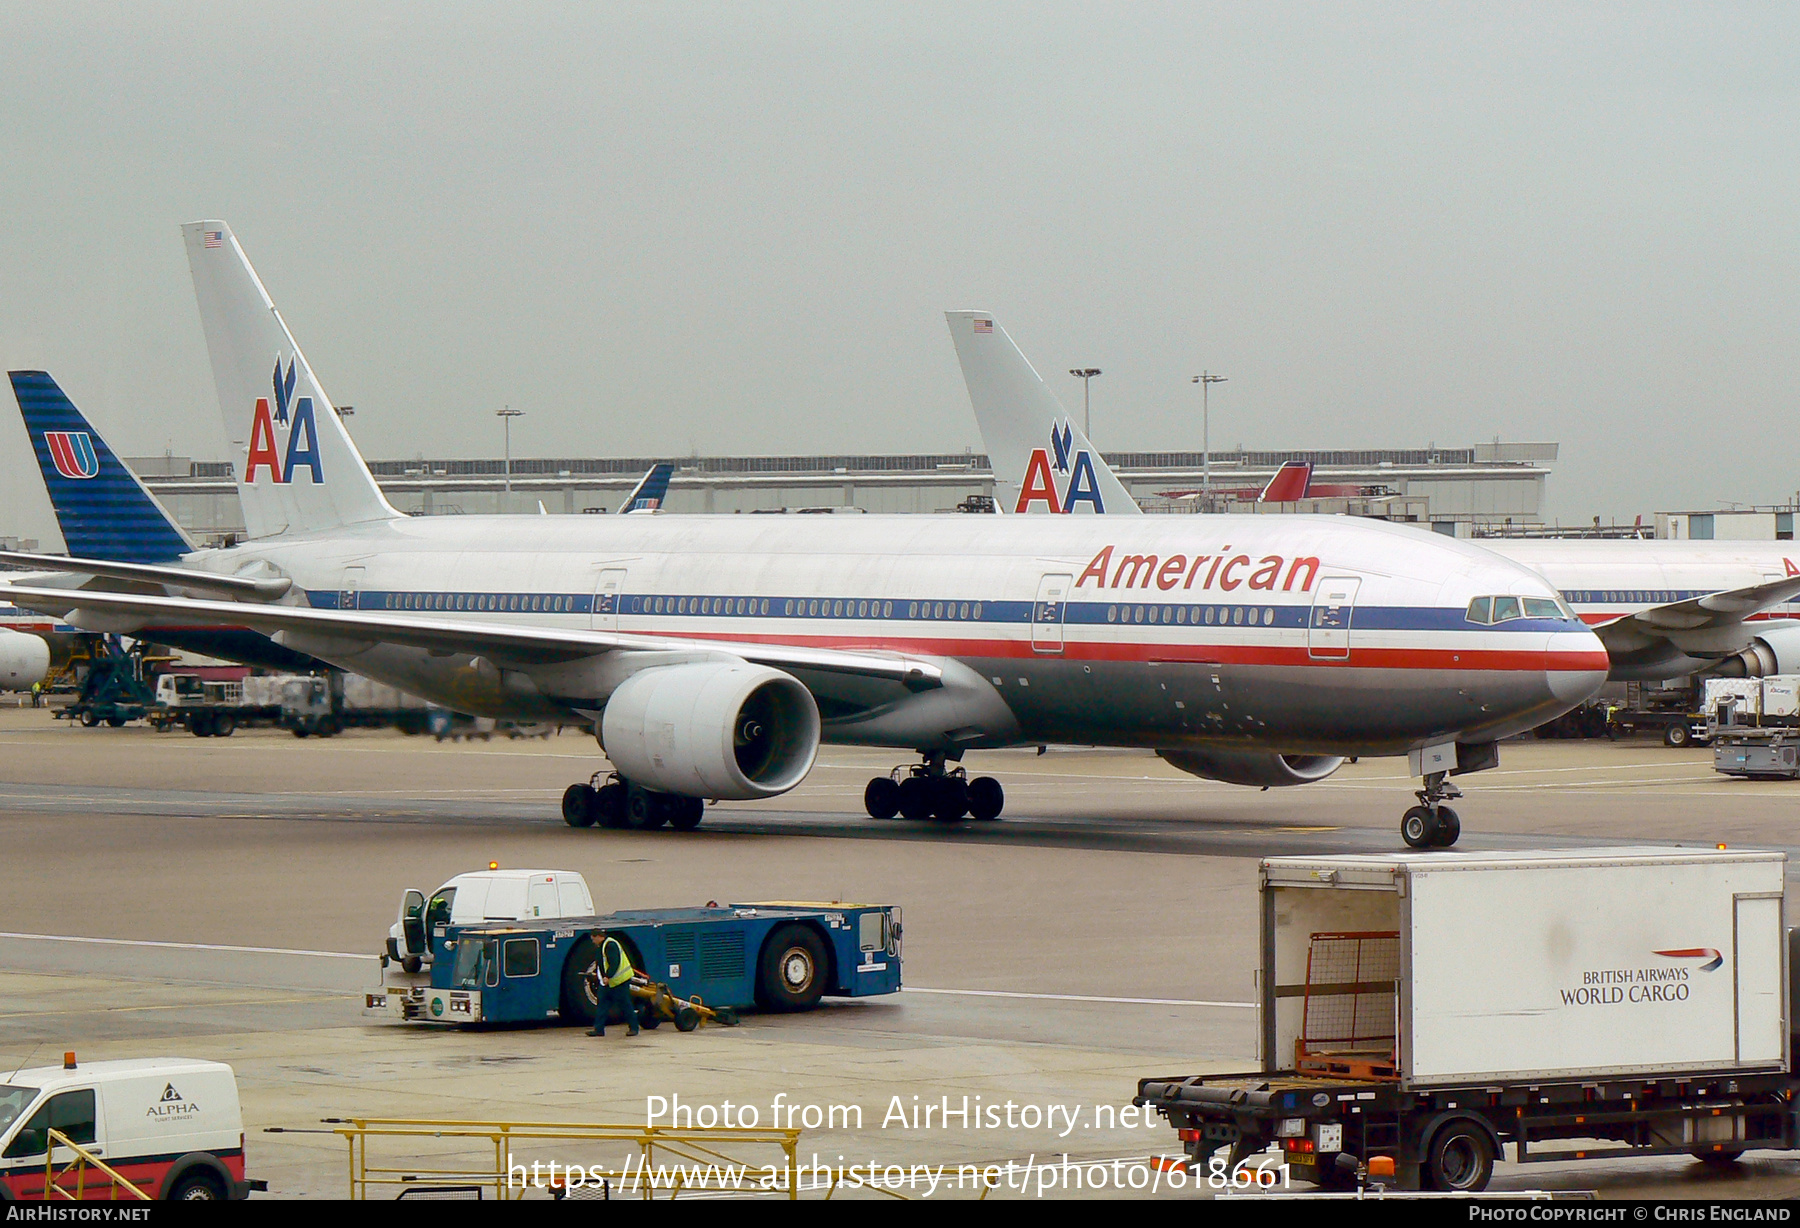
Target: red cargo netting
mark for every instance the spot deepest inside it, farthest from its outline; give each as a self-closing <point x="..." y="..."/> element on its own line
<point x="1348" y="1017"/>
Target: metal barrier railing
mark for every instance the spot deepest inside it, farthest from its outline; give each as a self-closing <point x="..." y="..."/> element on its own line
<point x="78" y="1167"/>
<point x="668" y="1159"/>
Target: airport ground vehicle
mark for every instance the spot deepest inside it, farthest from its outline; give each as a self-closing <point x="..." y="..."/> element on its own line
<point x="170" y="1126"/>
<point x="1638" y="1005"/>
<point x="497" y="969"/>
<point x="1754" y="726"/>
<point x="112" y="692"/>
<point x="305" y="704"/>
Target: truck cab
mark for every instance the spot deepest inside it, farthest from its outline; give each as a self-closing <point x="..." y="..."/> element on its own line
<point x="417" y="937"/>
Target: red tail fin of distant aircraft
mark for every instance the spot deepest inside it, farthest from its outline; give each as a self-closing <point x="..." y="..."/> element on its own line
<point x="1289" y="483"/>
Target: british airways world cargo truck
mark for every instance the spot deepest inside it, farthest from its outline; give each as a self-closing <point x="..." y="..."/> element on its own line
<point x="1421" y="1012"/>
<point x="526" y="952"/>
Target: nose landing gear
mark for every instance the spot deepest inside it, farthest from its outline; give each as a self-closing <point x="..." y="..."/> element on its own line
<point x="619" y="803"/>
<point x="929" y="790"/>
<point x="1431" y="824"/>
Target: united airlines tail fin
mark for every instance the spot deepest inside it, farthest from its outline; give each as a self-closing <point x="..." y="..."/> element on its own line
<point x="1042" y="461"/>
<point x="299" y="471"/>
<point x="103" y="510"/>
<point x="647" y="495"/>
<point x="1288" y="484"/>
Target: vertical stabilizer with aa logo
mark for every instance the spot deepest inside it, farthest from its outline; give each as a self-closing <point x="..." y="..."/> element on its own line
<point x="298" y="471"/>
<point x="103" y="510"/>
<point x="1042" y="461"/>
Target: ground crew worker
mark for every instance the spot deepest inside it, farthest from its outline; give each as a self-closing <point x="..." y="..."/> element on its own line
<point x="611" y="976"/>
<point x="37" y="694"/>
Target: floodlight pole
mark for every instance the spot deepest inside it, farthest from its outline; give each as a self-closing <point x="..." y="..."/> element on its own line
<point x="1206" y="380"/>
<point x="1084" y="374"/>
<point x="506" y="414"/>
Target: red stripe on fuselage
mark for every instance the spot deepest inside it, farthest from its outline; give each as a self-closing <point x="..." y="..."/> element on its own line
<point x="1521" y="660"/>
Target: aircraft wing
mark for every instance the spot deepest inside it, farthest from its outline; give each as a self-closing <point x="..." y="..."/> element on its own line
<point x="186" y="579"/>
<point x="505" y="643"/>
<point x="1682" y="619"/>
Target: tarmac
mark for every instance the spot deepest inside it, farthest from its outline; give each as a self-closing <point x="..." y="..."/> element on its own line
<point x="225" y="898"/>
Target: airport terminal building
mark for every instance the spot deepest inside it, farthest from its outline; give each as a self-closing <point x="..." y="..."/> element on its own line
<point x="1463" y="491"/>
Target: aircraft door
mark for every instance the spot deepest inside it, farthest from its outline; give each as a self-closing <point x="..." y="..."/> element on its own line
<point x="1328" y="630"/>
<point x="607" y="589"/>
<point x="349" y="586"/>
<point x="1048" y="613"/>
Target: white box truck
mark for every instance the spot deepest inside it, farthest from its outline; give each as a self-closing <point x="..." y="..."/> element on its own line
<point x="1428" y="1009"/>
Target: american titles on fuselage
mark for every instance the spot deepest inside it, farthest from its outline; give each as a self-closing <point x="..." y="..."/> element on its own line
<point x="1224" y="569"/>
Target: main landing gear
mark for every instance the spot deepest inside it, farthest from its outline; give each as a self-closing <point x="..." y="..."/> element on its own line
<point x="1431" y="824"/>
<point x="930" y="791"/>
<point x="612" y="801"/>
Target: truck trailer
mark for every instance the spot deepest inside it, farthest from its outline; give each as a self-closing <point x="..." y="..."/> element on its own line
<point x="1422" y="1011"/>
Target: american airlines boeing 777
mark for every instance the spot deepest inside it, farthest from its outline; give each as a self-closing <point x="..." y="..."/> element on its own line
<point x="712" y="655"/>
<point x="1663" y="609"/>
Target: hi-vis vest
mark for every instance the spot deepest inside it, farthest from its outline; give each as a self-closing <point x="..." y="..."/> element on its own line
<point x="609" y="951"/>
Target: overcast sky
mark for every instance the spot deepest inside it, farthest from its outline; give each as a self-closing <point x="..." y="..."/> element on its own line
<point x="676" y="227"/>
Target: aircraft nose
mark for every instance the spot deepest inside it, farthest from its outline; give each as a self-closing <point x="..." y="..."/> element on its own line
<point x="1575" y="666"/>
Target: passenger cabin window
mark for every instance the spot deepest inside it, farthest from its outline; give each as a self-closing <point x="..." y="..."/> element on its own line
<point x="70" y="1112"/>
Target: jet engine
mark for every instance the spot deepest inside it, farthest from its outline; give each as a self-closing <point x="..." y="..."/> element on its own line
<point x="720" y="729"/>
<point x="24" y="659"/>
<point x="1250" y="767"/>
<point x="1775" y="650"/>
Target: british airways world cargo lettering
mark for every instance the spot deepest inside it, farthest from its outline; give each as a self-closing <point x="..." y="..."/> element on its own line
<point x="1040" y="485"/>
<point x="1224" y="570"/>
<point x="299" y="425"/>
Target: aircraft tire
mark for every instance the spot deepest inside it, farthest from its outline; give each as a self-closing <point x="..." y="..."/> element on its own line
<point x="986" y="799"/>
<point x="950" y="801"/>
<point x="578" y="809"/>
<point x="688" y="813"/>
<point x="915" y="797"/>
<point x="648" y="811"/>
<point x="1449" y="827"/>
<point x="609" y="805"/>
<point x="1419" y="827"/>
<point x="881" y="798"/>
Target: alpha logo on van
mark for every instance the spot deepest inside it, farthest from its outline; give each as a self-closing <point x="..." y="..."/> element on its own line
<point x="171" y="1106"/>
<point x="294" y="418"/>
<point x="1061" y="457"/>
<point x="72" y="452"/>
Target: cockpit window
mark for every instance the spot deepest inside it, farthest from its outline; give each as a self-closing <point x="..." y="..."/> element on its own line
<point x="1487" y="610"/>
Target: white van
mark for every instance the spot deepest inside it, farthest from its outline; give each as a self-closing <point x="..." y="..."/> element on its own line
<point x="171" y="1126"/>
<point x="484" y="895"/>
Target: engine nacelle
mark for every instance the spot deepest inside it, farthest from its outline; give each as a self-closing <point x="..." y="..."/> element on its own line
<point x="720" y="729"/>
<point x="24" y="659"/>
<point x="1775" y="650"/>
<point x="1260" y="769"/>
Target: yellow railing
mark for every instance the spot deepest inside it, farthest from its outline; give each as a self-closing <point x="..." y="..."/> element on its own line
<point x="667" y="1159"/>
<point x="79" y="1166"/>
